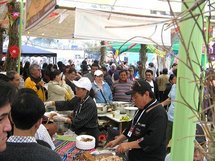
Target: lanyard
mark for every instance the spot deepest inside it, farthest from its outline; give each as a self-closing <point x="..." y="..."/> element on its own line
<point x="141" y="113"/>
<point x="79" y="110"/>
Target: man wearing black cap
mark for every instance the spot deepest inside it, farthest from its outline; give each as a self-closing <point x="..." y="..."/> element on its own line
<point x="146" y="133"/>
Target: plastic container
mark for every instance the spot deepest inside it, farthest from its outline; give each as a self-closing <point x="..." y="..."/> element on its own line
<point x="85" y="142"/>
<point x="121" y="106"/>
<point x="130" y="111"/>
<point x="101" y="108"/>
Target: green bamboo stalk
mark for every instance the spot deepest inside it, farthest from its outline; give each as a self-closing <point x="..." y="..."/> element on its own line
<point x="190" y="52"/>
<point x="20" y="33"/>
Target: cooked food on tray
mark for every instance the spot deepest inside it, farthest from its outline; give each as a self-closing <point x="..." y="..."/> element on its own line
<point x="109" y="158"/>
<point x="100" y="157"/>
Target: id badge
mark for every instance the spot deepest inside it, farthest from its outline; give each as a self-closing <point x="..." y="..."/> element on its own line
<point x="130" y="131"/>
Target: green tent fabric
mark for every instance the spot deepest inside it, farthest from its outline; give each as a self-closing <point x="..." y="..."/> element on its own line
<point x="175" y="47"/>
<point x="117" y="45"/>
<point x="125" y="47"/>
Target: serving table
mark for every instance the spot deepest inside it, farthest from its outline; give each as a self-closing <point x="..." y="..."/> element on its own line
<point x="115" y="120"/>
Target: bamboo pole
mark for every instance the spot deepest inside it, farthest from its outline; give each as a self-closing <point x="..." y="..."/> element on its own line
<point x="20" y="33"/>
<point x="184" y="126"/>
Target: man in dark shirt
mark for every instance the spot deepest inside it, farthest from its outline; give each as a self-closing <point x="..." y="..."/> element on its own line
<point x="146" y="133"/>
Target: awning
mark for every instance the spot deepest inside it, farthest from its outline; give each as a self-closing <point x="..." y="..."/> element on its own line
<point x="91" y="24"/>
<point x="67" y="21"/>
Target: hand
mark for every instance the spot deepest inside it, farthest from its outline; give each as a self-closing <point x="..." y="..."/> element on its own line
<point x="111" y="144"/>
<point x="49" y="103"/>
<point x="123" y="147"/>
<point x="68" y="121"/>
<point x="41" y="84"/>
<point x="63" y="119"/>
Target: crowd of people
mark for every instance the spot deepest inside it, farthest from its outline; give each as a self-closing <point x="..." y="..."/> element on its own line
<point x="63" y="88"/>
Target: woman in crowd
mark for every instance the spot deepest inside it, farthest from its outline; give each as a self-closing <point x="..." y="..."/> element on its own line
<point x="103" y="93"/>
<point x="58" y="90"/>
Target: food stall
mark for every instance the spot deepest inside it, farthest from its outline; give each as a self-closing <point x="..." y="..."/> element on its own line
<point x="71" y="151"/>
<point x="82" y="148"/>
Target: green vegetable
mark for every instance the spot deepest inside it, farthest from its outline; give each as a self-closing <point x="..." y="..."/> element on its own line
<point x="125" y="118"/>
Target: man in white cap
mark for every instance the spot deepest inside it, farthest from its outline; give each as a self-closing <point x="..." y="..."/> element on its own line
<point x="85" y="111"/>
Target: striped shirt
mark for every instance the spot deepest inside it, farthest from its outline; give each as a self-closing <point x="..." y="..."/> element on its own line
<point x="119" y="89"/>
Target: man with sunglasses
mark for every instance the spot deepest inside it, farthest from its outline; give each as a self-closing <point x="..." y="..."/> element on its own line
<point x="146" y="133"/>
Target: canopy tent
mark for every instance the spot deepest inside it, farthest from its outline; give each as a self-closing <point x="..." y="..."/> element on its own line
<point x="142" y="30"/>
<point x="100" y="21"/>
<point x="34" y="51"/>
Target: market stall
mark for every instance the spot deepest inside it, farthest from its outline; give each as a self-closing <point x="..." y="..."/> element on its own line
<point x="72" y="147"/>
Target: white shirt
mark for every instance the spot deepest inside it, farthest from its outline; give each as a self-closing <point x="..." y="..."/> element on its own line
<point x="151" y="84"/>
<point x="42" y="134"/>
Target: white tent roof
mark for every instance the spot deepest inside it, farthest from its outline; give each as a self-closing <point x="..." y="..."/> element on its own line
<point x="101" y="20"/>
<point x="118" y="20"/>
<point x="91" y="24"/>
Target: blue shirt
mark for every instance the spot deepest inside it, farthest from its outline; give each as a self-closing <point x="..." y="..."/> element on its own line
<point x="105" y="90"/>
<point x="172" y="95"/>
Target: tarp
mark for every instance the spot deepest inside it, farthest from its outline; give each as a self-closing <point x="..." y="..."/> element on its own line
<point x="71" y="22"/>
<point x="91" y="24"/>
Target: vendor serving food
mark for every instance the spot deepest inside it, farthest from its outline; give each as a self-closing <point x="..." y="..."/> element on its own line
<point x="146" y="132"/>
<point x="85" y="111"/>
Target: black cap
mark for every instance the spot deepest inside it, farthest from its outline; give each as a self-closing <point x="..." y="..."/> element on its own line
<point x="139" y="86"/>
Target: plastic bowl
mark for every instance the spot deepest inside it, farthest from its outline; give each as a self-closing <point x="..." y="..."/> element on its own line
<point x="85" y="142"/>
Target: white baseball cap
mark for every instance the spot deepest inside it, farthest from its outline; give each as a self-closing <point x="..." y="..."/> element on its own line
<point x="83" y="82"/>
<point x="98" y="73"/>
